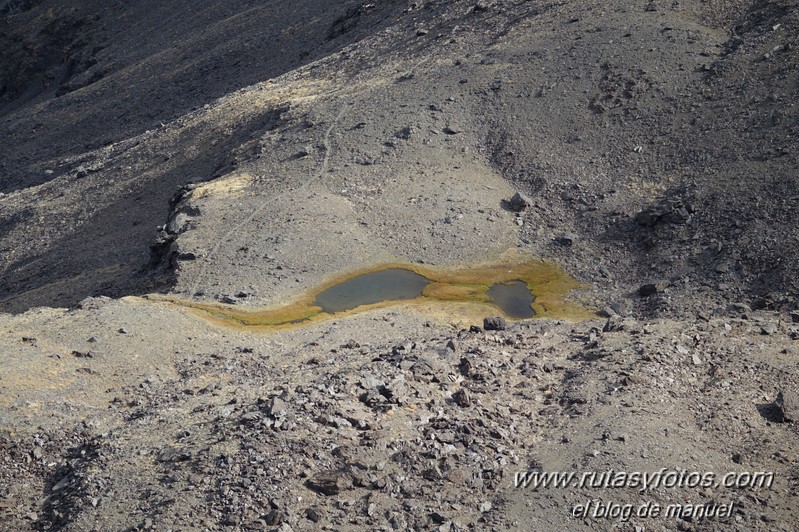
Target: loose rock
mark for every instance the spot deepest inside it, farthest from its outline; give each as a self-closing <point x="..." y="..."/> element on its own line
<point x="788" y="404"/>
<point x="462" y="397"/>
<point x="518" y="202"/>
<point x="331" y="482"/>
<point x="495" y="323"/>
<point x="651" y="289"/>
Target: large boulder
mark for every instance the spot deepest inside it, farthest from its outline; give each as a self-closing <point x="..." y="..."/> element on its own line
<point x="518" y="202"/>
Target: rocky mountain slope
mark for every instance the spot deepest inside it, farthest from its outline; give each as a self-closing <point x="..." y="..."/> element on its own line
<point x="247" y="152"/>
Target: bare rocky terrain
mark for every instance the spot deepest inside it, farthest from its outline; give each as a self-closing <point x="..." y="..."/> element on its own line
<point x="244" y="153"/>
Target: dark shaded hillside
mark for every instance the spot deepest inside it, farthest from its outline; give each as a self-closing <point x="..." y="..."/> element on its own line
<point x="81" y="75"/>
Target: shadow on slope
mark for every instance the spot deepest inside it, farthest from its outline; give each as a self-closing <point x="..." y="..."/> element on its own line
<point x="81" y="75"/>
<point x="108" y="254"/>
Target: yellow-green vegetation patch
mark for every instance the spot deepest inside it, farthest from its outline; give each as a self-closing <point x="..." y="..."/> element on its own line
<point x="456" y="292"/>
<point x="549" y="284"/>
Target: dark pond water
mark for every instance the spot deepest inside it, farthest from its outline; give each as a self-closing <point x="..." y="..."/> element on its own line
<point x="514" y="298"/>
<point x="386" y="285"/>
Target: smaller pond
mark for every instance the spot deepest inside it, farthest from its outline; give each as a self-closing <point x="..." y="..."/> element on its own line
<point x="514" y="298"/>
